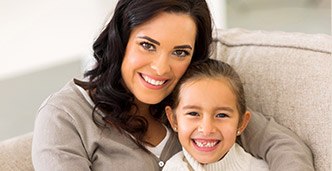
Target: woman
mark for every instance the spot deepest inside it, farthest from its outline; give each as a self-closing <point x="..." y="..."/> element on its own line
<point x="114" y="120"/>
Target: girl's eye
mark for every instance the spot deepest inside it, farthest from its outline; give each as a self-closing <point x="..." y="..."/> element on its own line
<point x="193" y="113"/>
<point x="181" y="53"/>
<point x="147" y="46"/>
<point x="221" y="115"/>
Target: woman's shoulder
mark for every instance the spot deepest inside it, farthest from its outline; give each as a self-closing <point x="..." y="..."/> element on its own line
<point x="68" y="103"/>
<point x="69" y="96"/>
<point x="68" y="93"/>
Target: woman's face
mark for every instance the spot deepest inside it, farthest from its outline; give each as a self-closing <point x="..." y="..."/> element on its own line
<point x="206" y="118"/>
<point x="157" y="55"/>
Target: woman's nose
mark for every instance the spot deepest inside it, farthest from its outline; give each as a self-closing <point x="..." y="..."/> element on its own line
<point x="161" y="64"/>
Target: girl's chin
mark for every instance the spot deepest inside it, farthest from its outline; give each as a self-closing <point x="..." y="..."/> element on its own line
<point x="207" y="161"/>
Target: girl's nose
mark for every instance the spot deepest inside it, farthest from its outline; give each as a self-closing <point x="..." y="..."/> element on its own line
<point x="206" y="127"/>
<point x="161" y="64"/>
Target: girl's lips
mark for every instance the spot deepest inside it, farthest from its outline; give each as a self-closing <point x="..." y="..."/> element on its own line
<point x="205" y="145"/>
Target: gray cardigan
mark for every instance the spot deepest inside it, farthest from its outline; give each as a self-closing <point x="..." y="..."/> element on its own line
<point x="66" y="138"/>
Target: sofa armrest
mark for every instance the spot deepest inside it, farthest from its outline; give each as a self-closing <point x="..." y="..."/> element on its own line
<point x="15" y="153"/>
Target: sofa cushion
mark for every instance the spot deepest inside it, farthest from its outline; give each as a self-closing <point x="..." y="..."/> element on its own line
<point x="287" y="76"/>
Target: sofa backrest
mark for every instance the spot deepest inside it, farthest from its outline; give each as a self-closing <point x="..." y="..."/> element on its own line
<point x="287" y="76"/>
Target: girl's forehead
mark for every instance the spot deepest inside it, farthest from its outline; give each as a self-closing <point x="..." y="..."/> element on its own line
<point x="205" y="80"/>
<point x="206" y="89"/>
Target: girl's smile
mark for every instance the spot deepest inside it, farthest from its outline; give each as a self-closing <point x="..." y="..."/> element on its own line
<point x="205" y="145"/>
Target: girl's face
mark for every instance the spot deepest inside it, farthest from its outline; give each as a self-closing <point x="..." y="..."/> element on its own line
<point x="206" y="118"/>
<point x="157" y="55"/>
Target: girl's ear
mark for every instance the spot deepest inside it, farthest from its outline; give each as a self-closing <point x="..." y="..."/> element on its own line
<point x="245" y="120"/>
<point x="171" y="117"/>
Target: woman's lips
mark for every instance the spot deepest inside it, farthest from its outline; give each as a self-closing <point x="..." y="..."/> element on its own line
<point x="153" y="82"/>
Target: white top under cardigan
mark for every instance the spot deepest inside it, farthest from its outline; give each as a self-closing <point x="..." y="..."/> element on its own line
<point x="235" y="160"/>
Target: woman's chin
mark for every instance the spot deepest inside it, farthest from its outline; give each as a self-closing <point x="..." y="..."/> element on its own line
<point x="149" y="100"/>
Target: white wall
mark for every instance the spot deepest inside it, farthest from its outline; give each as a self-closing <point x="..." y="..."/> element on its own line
<point x="218" y="9"/>
<point x="36" y="34"/>
<point x="308" y="16"/>
<point x="43" y="44"/>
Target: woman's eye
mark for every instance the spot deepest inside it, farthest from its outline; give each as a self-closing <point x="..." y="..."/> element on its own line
<point x="193" y="113"/>
<point x="148" y="46"/>
<point x="221" y="115"/>
<point x="181" y="53"/>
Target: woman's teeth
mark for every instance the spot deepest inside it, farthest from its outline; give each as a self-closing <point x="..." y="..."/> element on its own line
<point x="152" y="81"/>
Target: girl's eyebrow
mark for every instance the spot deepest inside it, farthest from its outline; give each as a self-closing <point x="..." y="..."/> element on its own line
<point x="149" y="39"/>
<point x="218" y="108"/>
<point x="225" y="108"/>
<point x="191" y="107"/>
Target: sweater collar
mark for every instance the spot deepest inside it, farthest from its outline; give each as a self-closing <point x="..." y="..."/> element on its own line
<point x="235" y="159"/>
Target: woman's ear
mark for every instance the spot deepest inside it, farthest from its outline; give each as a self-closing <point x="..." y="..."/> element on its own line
<point x="243" y="124"/>
<point x="171" y="117"/>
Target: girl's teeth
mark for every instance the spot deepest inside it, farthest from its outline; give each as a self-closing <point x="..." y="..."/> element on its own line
<point x="152" y="81"/>
<point x="205" y="144"/>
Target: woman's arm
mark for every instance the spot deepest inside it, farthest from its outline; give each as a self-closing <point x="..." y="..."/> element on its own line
<point x="56" y="143"/>
<point x="277" y="145"/>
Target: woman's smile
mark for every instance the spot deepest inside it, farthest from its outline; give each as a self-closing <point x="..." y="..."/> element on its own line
<point x="153" y="82"/>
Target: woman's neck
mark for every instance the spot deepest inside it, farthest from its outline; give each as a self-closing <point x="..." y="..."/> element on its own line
<point x="156" y="131"/>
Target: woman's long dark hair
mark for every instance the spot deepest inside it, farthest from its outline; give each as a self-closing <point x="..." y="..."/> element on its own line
<point x="105" y="81"/>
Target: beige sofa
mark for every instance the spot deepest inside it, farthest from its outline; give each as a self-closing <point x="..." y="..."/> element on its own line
<point x="287" y="76"/>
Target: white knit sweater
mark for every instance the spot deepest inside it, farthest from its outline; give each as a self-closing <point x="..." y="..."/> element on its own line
<point x="235" y="160"/>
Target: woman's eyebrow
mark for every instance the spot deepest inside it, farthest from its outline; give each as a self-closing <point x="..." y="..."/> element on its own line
<point x="183" y="47"/>
<point x="149" y="39"/>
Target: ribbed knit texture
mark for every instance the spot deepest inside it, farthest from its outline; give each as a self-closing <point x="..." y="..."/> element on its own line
<point x="235" y="160"/>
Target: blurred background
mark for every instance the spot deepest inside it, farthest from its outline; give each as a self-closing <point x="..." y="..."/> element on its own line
<point x="46" y="43"/>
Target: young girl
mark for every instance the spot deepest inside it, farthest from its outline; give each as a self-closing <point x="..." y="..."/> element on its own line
<point x="209" y="111"/>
